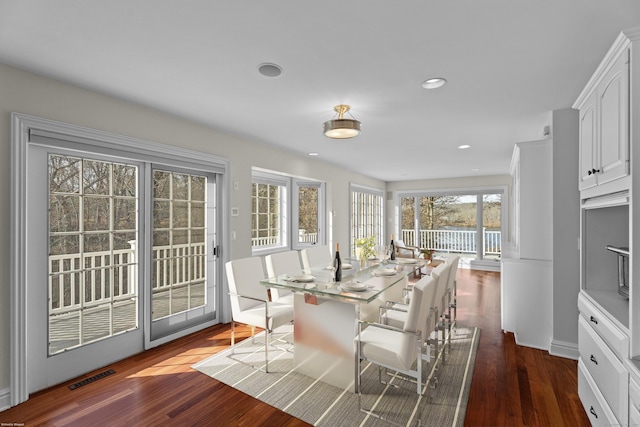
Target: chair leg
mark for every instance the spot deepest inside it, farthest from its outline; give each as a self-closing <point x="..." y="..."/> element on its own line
<point x="266" y="350"/>
<point x="233" y="336"/>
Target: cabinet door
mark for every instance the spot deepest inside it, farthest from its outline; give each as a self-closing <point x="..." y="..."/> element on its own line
<point x="588" y="142"/>
<point x="613" y="151"/>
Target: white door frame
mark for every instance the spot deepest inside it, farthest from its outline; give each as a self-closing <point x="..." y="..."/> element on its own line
<point x="22" y="126"/>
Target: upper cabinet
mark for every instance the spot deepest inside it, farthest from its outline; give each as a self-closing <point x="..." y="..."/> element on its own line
<point x="604" y="124"/>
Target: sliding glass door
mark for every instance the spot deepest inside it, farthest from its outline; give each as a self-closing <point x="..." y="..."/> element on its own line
<point x="121" y="252"/>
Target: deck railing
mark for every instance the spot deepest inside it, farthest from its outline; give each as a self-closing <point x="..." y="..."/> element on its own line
<point x="459" y="241"/>
<point x="107" y="280"/>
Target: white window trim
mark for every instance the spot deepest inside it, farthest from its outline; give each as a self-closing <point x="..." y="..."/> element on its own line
<point x="504" y="208"/>
<point x="21" y="127"/>
<point x="353" y="187"/>
<point x="289" y="214"/>
<point x="295" y="218"/>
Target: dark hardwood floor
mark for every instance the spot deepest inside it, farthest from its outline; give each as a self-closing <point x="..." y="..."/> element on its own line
<point x="512" y="385"/>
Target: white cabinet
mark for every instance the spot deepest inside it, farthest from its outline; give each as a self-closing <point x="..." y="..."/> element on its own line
<point x="609" y="324"/>
<point x="532" y="232"/>
<point x="604" y="122"/>
<point x="527" y="275"/>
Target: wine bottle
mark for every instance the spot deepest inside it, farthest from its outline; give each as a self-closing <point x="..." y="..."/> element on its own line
<point x="393" y="250"/>
<point x="337" y="264"/>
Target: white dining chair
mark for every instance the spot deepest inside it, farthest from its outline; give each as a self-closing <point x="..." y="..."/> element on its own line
<point x="395" y="314"/>
<point x="395" y="349"/>
<point x="282" y="263"/>
<point x="451" y="291"/>
<point x="442" y="272"/>
<point x="316" y="256"/>
<point x="250" y="303"/>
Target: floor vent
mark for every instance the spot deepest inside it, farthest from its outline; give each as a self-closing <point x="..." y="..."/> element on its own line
<point x="91" y="379"/>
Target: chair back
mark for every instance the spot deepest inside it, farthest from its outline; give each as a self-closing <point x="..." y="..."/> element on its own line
<point x="454" y="260"/>
<point x="243" y="276"/>
<point x="407" y="351"/>
<point x="442" y="273"/>
<point x="316" y="256"/>
<point x="430" y="284"/>
<point x="282" y="263"/>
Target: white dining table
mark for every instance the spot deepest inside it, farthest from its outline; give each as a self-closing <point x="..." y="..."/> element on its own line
<point x="326" y="313"/>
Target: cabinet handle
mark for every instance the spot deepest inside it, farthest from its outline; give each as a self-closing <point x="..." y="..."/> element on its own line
<point x="593" y="411"/>
<point x="594" y="320"/>
<point x="593" y="359"/>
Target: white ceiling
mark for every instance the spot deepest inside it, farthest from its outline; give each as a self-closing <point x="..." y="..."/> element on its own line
<point x="508" y="63"/>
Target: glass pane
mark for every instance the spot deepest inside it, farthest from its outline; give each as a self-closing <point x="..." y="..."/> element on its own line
<point x="180" y="214"/>
<point x="64" y="213"/>
<point x="178" y="243"/>
<point x="124" y="214"/>
<point x="307" y="214"/>
<point x="62" y="245"/>
<point x="161" y="214"/>
<point x="124" y="241"/>
<point x="64" y="174"/>
<point x="124" y="180"/>
<point x="180" y="237"/>
<point x="91" y="273"/>
<point x="96" y="213"/>
<point x="491" y="222"/>
<point x="407" y="226"/>
<point x="197" y="236"/>
<point x="97" y="242"/>
<point x="198" y="188"/>
<point x="161" y="238"/>
<point x="197" y="214"/>
<point x="96" y="177"/>
<point x="161" y="185"/>
<point x="180" y="186"/>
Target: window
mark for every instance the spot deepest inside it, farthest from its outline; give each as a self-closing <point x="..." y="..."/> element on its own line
<point x="308" y="215"/>
<point x="92" y="258"/>
<point x="268" y="207"/>
<point x="274" y="219"/>
<point x="459" y="222"/>
<point x="367" y="215"/>
<point x="178" y="275"/>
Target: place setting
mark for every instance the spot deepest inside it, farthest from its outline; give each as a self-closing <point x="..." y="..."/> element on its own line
<point x="355" y="286"/>
<point x="385" y="272"/>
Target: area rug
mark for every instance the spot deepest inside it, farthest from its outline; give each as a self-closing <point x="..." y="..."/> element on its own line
<point x="442" y="404"/>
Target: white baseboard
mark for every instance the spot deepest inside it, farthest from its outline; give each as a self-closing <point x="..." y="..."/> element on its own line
<point x="524" y="343"/>
<point x="5" y="399"/>
<point x="565" y="349"/>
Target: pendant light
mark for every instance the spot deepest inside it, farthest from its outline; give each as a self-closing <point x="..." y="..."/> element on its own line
<point x="341" y="128"/>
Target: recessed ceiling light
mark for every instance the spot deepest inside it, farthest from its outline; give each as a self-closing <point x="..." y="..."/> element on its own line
<point x="434" y="83"/>
<point x="464" y="146"/>
<point x="313" y="153"/>
<point x="475" y="170"/>
<point x="269" y="70"/>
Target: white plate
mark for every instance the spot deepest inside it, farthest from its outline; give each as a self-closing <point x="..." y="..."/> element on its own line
<point x="303" y="278"/>
<point x="384" y="272"/>
<point x="345" y="266"/>
<point x="354" y="287"/>
<point x="407" y="261"/>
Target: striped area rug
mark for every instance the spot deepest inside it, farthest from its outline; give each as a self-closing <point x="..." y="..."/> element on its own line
<point x="443" y="403"/>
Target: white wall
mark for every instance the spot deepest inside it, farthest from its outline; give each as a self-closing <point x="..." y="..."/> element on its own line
<point x="27" y="93"/>
<point x="566" y="231"/>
